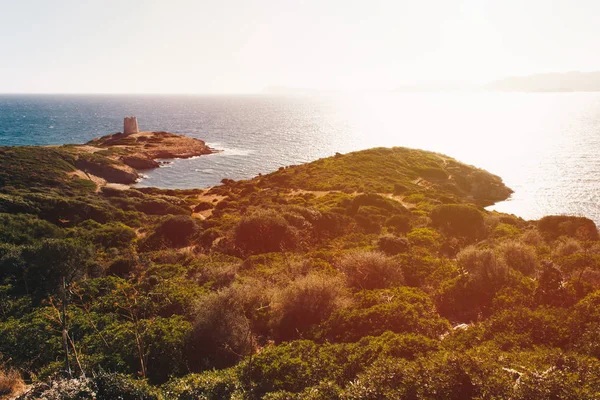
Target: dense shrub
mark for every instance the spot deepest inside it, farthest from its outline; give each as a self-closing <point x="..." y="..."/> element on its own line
<point x="458" y="220"/>
<point x="370" y="270"/>
<point x="398" y="223"/>
<point x="159" y="342"/>
<point x="209" y="385"/>
<point x="203" y="206"/>
<point x="370" y="218"/>
<point x="522" y="327"/>
<point x="172" y="231"/>
<point x="221" y="333"/>
<point x="110" y="386"/>
<point x="122" y="266"/>
<point x="112" y="235"/>
<point x="24" y="229"/>
<point x="424" y="237"/>
<point x="292" y="366"/>
<point x="376" y="201"/>
<point x="550" y="290"/>
<point x="104" y="386"/>
<point x="398" y="310"/>
<point x="532" y="237"/>
<point x="566" y="248"/>
<point x="306" y="301"/>
<point x="392" y="245"/>
<point x="553" y="226"/>
<point x="40" y="268"/>
<point x="519" y="256"/>
<point x="305" y="370"/>
<point x="263" y="232"/>
<point x="482" y="265"/>
<point x="441" y="376"/>
<point x="11" y="382"/>
<point x="502" y="231"/>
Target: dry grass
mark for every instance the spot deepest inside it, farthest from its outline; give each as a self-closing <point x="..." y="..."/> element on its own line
<point x="11" y="383"/>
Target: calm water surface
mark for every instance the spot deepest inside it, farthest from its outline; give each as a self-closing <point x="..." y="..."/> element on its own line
<point x="546" y="146"/>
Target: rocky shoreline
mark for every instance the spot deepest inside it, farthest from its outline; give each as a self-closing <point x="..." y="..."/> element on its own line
<point x="118" y="158"/>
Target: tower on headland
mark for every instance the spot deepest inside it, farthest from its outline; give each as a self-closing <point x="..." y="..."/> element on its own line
<point x="130" y="125"/>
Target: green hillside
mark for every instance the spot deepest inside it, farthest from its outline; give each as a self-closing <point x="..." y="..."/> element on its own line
<point x="371" y="275"/>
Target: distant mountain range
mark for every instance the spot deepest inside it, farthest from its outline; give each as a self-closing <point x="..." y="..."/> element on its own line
<point x="574" y="81"/>
<point x="549" y="82"/>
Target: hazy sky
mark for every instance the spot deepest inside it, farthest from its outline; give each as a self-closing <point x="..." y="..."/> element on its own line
<point x="240" y="46"/>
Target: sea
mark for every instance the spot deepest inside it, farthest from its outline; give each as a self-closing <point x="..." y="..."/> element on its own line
<point x="545" y="146"/>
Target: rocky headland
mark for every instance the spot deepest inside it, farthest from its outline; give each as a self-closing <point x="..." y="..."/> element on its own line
<point x="118" y="158"/>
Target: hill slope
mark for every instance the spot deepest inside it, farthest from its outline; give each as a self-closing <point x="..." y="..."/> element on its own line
<point x="375" y="274"/>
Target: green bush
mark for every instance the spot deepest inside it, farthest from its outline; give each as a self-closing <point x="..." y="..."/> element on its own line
<point x="110" y="386"/>
<point x="522" y="328"/>
<point x="482" y="265"/>
<point x="306" y="301"/>
<point x="203" y="206"/>
<point x="160" y="342"/>
<point x="392" y="245"/>
<point x="458" y="220"/>
<point x="553" y="226"/>
<point x="550" y="290"/>
<point x="370" y="270"/>
<point x="519" y="256"/>
<point x="112" y="235"/>
<point x="222" y="333"/>
<point x="39" y="269"/>
<point x="264" y="231"/>
<point x="424" y="237"/>
<point x="401" y="310"/>
<point x="398" y="223"/>
<point x="25" y="229"/>
<point x="172" y="231"/>
<point x="209" y="385"/>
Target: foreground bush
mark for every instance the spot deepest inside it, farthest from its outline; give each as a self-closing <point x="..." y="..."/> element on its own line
<point x="104" y="386"/>
<point x="400" y="310"/>
<point x="306" y="301"/>
<point x="553" y="226"/>
<point x="221" y="333"/>
<point x="519" y="256"/>
<point x="392" y="245"/>
<point x="482" y="265"/>
<point x="11" y="382"/>
<point x="264" y="232"/>
<point x="370" y="270"/>
<point x="458" y="220"/>
<point x="173" y="231"/>
<point x="209" y="385"/>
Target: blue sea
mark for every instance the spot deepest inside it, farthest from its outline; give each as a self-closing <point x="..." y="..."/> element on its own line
<point x="546" y="146"/>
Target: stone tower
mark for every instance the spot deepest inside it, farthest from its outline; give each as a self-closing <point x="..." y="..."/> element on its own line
<point x="130" y="125"/>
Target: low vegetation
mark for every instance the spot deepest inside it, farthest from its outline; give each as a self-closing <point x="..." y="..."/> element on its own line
<point x="370" y="275"/>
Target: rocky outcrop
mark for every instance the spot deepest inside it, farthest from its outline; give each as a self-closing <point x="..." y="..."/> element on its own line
<point x="140" y="163"/>
<point x="152" y="145"/>
<point x="111" y="172"/>
<point x="117" y="158"/>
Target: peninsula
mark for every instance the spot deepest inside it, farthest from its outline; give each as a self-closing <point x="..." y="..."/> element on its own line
<point x="118" y="158"/>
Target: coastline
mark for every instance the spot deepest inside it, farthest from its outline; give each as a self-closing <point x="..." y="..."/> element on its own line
<point x="119" y="158"/>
